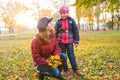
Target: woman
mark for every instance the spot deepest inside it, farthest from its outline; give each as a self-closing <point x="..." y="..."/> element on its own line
<point x="43" y="46"/>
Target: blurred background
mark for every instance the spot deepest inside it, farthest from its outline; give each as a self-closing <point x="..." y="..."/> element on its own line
<point x="21" y="15"/>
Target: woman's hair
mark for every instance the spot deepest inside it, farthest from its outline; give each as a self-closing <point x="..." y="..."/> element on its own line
<point x="45" y="36"/>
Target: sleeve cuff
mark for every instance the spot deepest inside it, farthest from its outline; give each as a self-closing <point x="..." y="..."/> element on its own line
<point x="76" y="42"/>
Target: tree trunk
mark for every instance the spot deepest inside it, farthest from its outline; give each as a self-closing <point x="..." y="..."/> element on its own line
<point x="79" y="24"/>
<point x="118" y="25"/>
<point x="12" y="30"/>
<point x="0" y="30"/>
<point x="104" y="18"/>
<point x="112" y="21"/>
<point x="118" y="28"/>
<point x="92" y="26"/>
<point x="104" y="27"/>
<point x="83" y="27"/>
<point x="9" y="30"/>
<point x="98" y="25"/>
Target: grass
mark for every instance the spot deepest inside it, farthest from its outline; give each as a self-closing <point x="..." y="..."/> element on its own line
<point x="98" y="57"/>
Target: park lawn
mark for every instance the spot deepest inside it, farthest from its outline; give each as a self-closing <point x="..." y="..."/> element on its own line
<point x="98" y="57"/>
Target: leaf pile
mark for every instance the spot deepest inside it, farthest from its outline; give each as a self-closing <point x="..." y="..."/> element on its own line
<point x="54" y="61"/>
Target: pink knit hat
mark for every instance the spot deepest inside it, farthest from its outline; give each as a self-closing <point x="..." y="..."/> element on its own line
<point x="63" y="9"/>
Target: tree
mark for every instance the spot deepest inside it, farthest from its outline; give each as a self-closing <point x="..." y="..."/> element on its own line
<point x="112" y="7"/>
<point x="78" y="13"/>
<point x="104" y="11"/>
<point x="90" y="17"/>
<point x="109" y="24"/>
<point x="45" y="12"/>
<point x="9" y="11"/>
<point x="97" y="14"/>
<point x="55" y="16"/>
<point x="89" y="5"/>
<point x="58" y="3"/>
<point x="118" y="18"/>
<point x="118" y="14"/>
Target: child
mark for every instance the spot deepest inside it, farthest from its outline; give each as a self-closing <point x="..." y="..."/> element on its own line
<point x="44" y="45"/>
<point x="67" y="33"/>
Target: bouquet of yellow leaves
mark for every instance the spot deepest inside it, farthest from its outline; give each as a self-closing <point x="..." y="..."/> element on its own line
<point x="54" y="61"/>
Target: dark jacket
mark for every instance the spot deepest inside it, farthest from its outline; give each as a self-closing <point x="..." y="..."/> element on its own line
<point x="41" y="52"/>
<point x="67" y="31"/>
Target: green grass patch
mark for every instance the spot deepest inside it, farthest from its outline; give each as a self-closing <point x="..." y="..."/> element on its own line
<point x="98" y="57"/>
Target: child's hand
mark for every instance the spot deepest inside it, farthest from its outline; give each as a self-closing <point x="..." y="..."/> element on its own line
<point x="76" y="45"/>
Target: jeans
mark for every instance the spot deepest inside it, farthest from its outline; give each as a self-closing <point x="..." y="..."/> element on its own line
<point x="63" y="58"/>
<point x="70" y="52"/>
<point x="51" y="72"/>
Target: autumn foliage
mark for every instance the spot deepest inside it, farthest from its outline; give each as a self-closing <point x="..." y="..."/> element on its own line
<point x="98" y="57"/>
<point x="54" y="61"/>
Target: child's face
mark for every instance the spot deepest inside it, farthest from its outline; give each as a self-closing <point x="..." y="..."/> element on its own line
<point x="63" y="15"/>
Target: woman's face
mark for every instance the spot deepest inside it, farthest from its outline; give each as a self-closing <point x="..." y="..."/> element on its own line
<point x="63" y="15"/>
<point x="50" y="26"/>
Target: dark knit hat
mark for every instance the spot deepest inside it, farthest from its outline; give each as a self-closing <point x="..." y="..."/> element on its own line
<point x="43" y="22"/>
